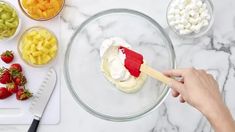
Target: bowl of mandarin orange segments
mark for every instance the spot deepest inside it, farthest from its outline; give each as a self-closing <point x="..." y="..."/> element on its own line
<point x="41" y="10"/>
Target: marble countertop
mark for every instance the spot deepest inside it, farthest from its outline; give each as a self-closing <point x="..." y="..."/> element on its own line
<point x="214" y="52"/>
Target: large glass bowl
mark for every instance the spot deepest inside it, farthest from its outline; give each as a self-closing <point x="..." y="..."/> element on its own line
<point x="87" y="83"/>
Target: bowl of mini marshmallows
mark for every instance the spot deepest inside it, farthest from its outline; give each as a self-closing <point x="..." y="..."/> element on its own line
<point x="190" y="18"/>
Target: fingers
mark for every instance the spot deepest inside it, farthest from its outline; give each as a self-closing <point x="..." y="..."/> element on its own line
<point x="175" y="93"/>
<point x="176" y="85"/>
<point x="182" y="99"/>
<point x="174" y="73"/>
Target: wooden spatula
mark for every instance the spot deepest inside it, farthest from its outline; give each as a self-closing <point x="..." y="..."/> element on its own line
<point x="134" y="63"/>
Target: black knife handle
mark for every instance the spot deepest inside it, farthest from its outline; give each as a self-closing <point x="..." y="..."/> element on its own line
<point x="34" y="126"/>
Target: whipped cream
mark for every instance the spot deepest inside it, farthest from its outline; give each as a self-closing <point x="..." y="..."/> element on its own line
<point x="116" y="59"/>
<point x="112" y="65"/>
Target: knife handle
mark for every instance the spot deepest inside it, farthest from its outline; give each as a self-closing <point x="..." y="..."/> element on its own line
<point x="34" y="126"/>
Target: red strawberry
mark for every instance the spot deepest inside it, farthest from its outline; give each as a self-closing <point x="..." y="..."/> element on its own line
<point x="7" y="56"/>
<point x="5" y="76"/>
<point x="20" y="81"/>
<point x="12" y="88"/>
<point x="17" y="80"/>
<point x="23" y="94"/>
<point x="16" y="66"/>
<point x="18" y="77"/>
<point x="4" y="93"/>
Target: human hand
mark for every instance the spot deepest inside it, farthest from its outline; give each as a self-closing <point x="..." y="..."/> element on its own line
<point x="201" y="90"/>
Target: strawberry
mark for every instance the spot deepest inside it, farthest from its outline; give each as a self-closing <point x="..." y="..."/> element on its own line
<point x="12" y="88"/>
<point x="20" y="80"/>
<point x="23" y="94"/>
<point x="7" y="56"/>
<point x="16" y="66"/>
<point x="17" y="81"/>
<point x="18" y="77"/>
<point x="5" y="76"/>
<point x="4" y="93"/>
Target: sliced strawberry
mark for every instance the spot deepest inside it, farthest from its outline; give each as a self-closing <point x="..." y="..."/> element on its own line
<point x="16" y="66"/>
<point x="20" y="80"/>
<point x="7" y="56"/>
<point x="12" y="87"/>
<point x="23" y="94"/>
<point x="4" y="93"/>
<point x="17" y="81"/>
<point x="5" y="76"/>
<point x="18" y="77"/>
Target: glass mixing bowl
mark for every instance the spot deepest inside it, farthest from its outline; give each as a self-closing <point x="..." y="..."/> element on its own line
<point x="87" y="83"/>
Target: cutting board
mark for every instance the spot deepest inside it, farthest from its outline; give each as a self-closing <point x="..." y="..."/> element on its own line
<point x="13" y="111"/>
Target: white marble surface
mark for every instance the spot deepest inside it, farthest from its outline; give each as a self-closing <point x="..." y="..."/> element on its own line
<point x="214" y="52"/>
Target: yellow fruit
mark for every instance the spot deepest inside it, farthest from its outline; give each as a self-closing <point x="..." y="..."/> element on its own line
<point x="38" y="46"/>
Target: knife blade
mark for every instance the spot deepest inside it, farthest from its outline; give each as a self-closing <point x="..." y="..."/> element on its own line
<point x="42" y="98"/>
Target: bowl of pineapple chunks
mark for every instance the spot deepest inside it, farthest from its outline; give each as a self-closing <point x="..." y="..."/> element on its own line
<point x="38" y="46"/>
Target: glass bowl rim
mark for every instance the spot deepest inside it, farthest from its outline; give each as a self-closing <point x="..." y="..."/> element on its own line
<point x="196" y="35"/>
<point x="40" y="19"/>
<point x="19" y="24"/>
<point x="68" y="80"/>
<point x="19" y="43"/>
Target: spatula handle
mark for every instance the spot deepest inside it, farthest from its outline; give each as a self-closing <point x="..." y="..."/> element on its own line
<point x="34" y="125"/>
<point x="155" y="74"/>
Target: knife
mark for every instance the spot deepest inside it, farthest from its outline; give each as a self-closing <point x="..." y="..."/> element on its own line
<point x="42" y="98"/>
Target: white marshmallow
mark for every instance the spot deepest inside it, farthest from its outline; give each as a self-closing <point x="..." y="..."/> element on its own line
<point x="187" y="26"/>
<point x="172" y="23"/>
<point x="179" y="27"/>
<point x="205" y="23"/>
<point x="199" y="3"/>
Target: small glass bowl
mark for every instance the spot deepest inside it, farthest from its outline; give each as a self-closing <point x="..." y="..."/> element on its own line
<point x="19" y="24"/>
<point x="40" y="19"/>
<point x="20" y="44"/>
<point x="203" y="30"/>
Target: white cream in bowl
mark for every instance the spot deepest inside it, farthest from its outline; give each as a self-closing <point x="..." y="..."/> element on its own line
<point x="112" y="65"/>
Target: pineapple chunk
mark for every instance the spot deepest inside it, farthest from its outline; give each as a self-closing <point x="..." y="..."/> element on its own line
<point x="38" y="46"/>
<point x="32" y="59"/>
